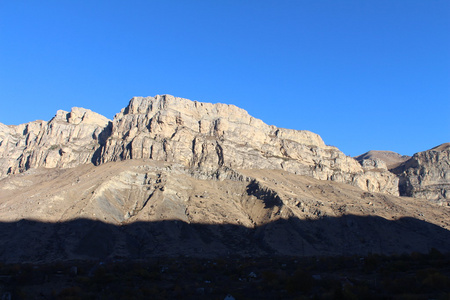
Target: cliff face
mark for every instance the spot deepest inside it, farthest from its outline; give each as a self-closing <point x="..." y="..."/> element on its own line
<point x="210" y="137"/>
<point x="201" y="136"/>
<point x="67" y="140"/>
<point x="135" y="187"/>
<point x="427" y="174"/>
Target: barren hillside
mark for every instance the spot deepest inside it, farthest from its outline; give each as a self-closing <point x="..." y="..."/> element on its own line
<point x="143" y="208"/>
<point x="169" y="176"/>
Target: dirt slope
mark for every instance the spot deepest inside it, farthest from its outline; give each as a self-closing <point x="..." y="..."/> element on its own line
<point x="143" y="208"/>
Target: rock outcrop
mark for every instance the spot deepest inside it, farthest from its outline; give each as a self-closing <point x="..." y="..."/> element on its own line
<point x="426" y="174"/>
<point x="170" y="177"/>
<point x="215" y="136"/>
<point x="203" y="136"/>
<point x="381" y="159"/>
<point x="67" y="140"/>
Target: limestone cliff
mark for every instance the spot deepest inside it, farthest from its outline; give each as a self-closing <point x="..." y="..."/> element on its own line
<point x="427" y="174"/>
<point x="210" y="138"/>
<point x="67" y="140"/>
<point x="216" y="136"/>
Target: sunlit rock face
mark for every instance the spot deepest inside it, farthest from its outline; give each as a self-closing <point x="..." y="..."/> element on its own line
<point x="211" y="136"/>
<point x="67" y="140"/>
<point x="427" y="174"/>
<point x="200" y="136"/>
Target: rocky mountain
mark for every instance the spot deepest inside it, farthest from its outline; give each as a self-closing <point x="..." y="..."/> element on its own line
<point x="426" y="174"/>
<point x="211" y="139"/>
<point x="67" y="140"/>
<point x="208" y="137"/>
<point x="170" y="176"/>
<point x="381" y="159"/>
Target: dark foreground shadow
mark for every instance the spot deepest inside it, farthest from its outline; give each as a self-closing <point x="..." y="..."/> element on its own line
<point x="31" y="241"/>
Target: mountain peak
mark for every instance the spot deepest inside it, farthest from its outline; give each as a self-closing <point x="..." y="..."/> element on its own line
<point x="389" y="158"/>
<point x="442" y="147"/>
<point x="206" y="137"/>
<point x="166" y="158"/>
<point x="79" y="115"/>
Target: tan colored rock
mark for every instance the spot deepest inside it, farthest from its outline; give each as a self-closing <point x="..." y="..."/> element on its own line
<point x="210" y="136"/>
<point x="373" y="163"/>
<point x="198" y="135"/>
<point x="427" y="174"/>
<point x="68" y="140"/>
<point x="381" y="159"/>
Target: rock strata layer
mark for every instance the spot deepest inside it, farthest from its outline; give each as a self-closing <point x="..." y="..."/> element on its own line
<point x="200" y="136"/>
<point x="211" y="136"/>
<point x="67" y="140"/>
<point x="427" y="174"/>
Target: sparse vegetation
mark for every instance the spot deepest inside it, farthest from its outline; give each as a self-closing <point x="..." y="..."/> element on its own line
<point x="413" y="276"/>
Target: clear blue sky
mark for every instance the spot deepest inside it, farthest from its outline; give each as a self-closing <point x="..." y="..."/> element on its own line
<point x="364" y="75"/>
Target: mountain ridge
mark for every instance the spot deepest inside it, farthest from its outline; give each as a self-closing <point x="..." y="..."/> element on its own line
<point x="391" y="159"/>
<point x="201" y="171"/>
<point x="199" y="135"/>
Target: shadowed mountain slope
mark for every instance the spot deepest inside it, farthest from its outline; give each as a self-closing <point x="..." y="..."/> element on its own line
<point x="31" y="241"/>
<point x="143" y="208"/>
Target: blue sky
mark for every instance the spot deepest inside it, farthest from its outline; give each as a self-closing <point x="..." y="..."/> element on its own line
<point x="365" y="75"/>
